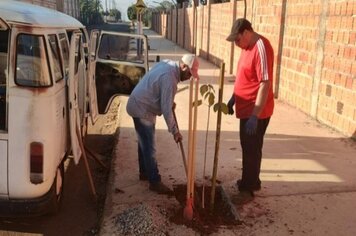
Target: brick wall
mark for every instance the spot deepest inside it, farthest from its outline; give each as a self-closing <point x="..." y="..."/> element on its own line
<point x="337" y="96"/>
<point x="69" y="7"/>
<point x="315" y="50"/>
<point x="299" y="60"/>
<point x="188" y="29"/>
<point x="45" y="3"/>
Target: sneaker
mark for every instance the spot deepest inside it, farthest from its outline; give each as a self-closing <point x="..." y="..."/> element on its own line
<point x="160" y="188"/>
<point x="257" y="187"/>
<point x="143" y="177"/>
<point x="243" y="197"/>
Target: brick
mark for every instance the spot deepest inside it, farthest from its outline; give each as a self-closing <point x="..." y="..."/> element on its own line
<point x="337" y="8"/>
<point x="336" y="64"/>
<point x="347" y="53"/>
<point x="353" y="68"/>
<point x="348" y="111"/>
<point x="343" y="9"/>
<point x="349" y="9"/>
<point x="352" y="129"/>
<point x="331" y="9"/>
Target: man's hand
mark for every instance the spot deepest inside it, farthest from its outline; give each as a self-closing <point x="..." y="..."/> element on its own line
<point x="251" y="125"/>
<point x="230" y="105"/>
<point x="177" y="137"/>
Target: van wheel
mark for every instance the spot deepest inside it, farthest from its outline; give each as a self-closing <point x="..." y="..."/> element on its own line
<point x="57" y="189"/>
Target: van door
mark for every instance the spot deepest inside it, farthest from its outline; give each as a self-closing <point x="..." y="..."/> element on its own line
<point x="3" y="110"/>
<point x="121" y="61"/>
<point x="93" y="102"/>
<point x="76" y="56"/>
<point x="3" y="167"/>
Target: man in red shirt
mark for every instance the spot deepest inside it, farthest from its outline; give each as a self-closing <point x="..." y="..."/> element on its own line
<point x="253" y="100"/>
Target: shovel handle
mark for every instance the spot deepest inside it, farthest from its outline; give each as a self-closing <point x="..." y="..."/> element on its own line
<point x="181" y="146"/>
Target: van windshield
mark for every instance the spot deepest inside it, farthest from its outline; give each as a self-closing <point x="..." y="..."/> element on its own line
<point x="31" y="62"/>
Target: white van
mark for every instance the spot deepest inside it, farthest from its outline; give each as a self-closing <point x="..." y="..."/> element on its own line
<point x="51" y="75"/>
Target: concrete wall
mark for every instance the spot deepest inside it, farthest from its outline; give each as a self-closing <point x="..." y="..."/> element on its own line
<point x="314" y="43"/>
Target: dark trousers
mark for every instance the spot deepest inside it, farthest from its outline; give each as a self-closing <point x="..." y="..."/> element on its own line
<point x="252" y="154"/>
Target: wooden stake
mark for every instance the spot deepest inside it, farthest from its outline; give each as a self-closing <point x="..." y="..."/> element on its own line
<point x="217" y="140"/>
<point x="188" y="210"/>
<point x="91" y="182"/>
<point x="194" y="135"/>
<point x="95" y="157"/>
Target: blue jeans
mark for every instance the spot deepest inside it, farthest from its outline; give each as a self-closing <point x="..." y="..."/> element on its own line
<point x="145" y="131"/>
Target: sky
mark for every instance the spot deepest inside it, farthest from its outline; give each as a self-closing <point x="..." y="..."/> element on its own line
<point x="122" y="5"/>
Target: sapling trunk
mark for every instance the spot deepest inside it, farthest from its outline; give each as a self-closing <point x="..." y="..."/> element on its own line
<point x="217" y="140"/>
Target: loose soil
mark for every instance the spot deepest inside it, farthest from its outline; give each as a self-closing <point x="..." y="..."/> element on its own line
<point x="204" y="220"/>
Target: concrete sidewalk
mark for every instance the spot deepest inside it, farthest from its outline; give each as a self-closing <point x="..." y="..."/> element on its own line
<point x="308" y="171"/>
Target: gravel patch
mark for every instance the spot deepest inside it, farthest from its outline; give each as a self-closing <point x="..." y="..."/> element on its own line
<point x="142" y="220"/>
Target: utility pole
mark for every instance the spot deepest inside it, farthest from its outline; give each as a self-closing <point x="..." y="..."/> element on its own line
<point x="106" y="14"/>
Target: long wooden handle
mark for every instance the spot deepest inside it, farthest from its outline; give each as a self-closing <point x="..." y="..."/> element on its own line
<point x="190" y="138"/>
<point x="194" y="132"/>
<point x="181" y="146"/>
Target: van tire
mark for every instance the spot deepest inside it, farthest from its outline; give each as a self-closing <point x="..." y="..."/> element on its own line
<point x="57" y="189"/>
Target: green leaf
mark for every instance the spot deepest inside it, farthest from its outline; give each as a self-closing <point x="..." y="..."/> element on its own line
<point x="198" y="102"/>
<point x="206" y="95"/>
<point x="211" y="99"/>
<point x="224" y="108"/>
<point x="211" y="88"/>
<point x="216" y="107"/>
<point x="203" y="89"/>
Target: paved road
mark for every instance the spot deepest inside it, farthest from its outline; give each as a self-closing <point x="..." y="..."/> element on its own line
<point x="308" y="170"/>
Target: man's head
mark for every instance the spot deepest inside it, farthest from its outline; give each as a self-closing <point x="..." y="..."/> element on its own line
<point x="241" y="32"/>
<point x="189" y="67"/>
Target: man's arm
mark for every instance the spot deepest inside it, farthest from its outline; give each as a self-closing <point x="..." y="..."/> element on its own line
<point x="264" y="70"/>
<point x="168" y="91"/>
<point x="261" y="98"/>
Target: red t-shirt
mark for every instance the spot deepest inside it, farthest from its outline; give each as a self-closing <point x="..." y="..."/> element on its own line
<point x="255" y="65"/>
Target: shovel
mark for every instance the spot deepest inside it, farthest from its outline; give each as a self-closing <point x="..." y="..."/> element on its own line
<point x="188" y="210"/>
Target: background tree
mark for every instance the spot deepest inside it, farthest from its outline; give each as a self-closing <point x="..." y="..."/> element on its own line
<point x="131" y="13"/>
<point x="91" y="11"/>
<point x="115" y="13"/>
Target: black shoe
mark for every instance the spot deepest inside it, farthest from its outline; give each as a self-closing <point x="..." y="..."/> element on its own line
<point x="243" y="197"/>
<point x="143" y="177"/>
<point x="241" y="187"/>
<point x="160" y="188"/>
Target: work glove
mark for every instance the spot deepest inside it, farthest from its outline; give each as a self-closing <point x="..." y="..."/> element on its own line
<point x="178" y="137"/>
<point x="230" y="105"/>
<point x="251" y="125"/>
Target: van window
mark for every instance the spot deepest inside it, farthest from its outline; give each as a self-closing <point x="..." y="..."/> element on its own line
<point x="120" y="48"/>
<point x="65" y="52"/>
<point x="78" y="55"/>
<point x="4" y="40"/>
<point x="31" y="62"/>
<point x="57" y="68"/>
